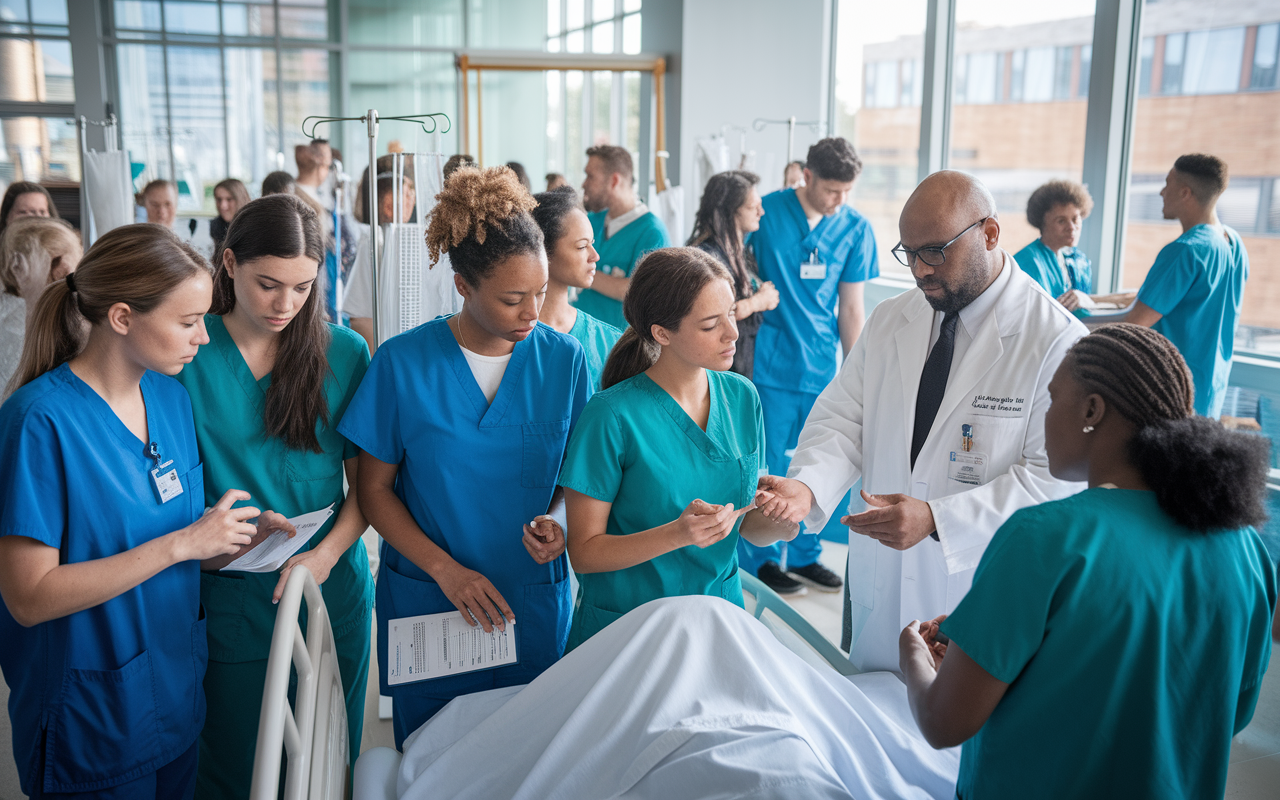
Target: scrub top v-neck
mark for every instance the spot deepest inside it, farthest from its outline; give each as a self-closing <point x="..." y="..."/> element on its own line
<point x="471" y="473"/>
<point x="636" y="448"/>
<point x="239" y="454"/>
<point x="111" y="693"/>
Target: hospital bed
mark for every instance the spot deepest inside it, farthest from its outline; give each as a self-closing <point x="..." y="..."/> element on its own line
<point x="311" y="730"/>
<point x="376" y="769"/>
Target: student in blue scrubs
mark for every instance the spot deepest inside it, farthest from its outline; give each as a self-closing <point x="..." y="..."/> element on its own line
<point x="818" y="252"/>
<point x="462" y="424"/>
<point x="1058" y="210"/>
<point x="1113" y="642"/>
<point x="661" y="474"/>
<point x="571" y="261"/>
<point x="267" y="393"/>
<point x="1194" y="290"/>
<point x="102" y="526"/>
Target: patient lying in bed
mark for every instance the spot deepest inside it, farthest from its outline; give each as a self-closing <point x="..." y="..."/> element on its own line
<point x="686" y="697"/>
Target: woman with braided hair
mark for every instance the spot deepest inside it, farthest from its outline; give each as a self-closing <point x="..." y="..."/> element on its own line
<point x="1113" y="642"/>
<point x="462" y="425"/>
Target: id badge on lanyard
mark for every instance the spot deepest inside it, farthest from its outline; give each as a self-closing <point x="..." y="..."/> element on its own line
<point x="813" y="269"/>
<point x="164" y="478"/>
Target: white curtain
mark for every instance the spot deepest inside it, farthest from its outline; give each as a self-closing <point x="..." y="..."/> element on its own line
<point x="106" y="185"/>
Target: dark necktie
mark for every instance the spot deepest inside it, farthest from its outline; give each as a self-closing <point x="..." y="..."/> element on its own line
<point x="933" y="384"/>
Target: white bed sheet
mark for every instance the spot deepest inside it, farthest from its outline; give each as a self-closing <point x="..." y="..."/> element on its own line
<point x="686" y="697"/>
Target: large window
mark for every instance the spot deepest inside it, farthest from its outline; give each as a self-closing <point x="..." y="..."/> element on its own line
<point x="201" y="83"/>
<point x="1212" y="90"/>
<point x="35" y="68"/>
<point x="878" y="90"/>
<point x="1020" y="89"/>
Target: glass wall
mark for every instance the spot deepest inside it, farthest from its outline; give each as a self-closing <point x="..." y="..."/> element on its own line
<point x="35" y="67"/>
<point x="1209" y="85"/>
<point x="1020" y="97"/>
<point x="878" y="91"/>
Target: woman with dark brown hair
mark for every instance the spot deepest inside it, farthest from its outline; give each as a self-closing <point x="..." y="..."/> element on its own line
<point x="670" y="424"/>
<point x="102" y="521"/>
<point x="229" y="196"/>
<point x="267" y="393"/>
<point x="26" y="199"/>
<point x="462" y="424"/>
<point x="730" y="209"/>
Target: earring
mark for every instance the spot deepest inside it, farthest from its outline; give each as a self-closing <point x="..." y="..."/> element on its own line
<point x="1088" y="429"/>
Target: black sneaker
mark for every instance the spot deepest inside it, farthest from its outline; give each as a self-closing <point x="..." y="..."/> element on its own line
<point x="771" y="575"/>
<point x="817" y="576"/>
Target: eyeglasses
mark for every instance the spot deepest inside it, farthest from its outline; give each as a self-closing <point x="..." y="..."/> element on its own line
<point x="933" y="256"/>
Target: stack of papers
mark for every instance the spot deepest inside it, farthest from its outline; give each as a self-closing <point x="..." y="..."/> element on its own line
<point x="435" y="645"/>
<point x="276" y="549"/>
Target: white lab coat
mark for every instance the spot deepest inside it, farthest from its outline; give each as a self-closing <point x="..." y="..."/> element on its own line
<point x="861" y="426"/>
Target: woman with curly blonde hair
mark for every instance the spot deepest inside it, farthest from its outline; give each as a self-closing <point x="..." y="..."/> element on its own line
<point x="462" y="424"/>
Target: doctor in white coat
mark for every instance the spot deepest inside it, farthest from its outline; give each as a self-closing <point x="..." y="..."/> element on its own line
<point x="940" y="410"/>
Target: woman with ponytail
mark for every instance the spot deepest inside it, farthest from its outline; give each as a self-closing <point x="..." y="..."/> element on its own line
<point x="660" y="477"/>
<point x="267" y="393"/>
<point x="462" y="425"/>
<point x="103" y="523"/>
<point x="1123" y="631"/>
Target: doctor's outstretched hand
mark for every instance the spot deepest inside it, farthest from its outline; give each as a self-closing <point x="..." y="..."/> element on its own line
<point x="895" y="520"/>
<point x="544" y="539"/>
<point x="782" y="498"/>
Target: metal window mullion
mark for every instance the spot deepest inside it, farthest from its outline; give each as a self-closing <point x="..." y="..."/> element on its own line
<point x="226" y="116"/>
<point x="1108" y="143"/>
<point x="275" y="8"/>
<point x="168" y="101"/>
<point x="935" y="105"/>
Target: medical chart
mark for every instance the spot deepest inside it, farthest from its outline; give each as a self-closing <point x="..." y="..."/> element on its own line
<point x="436" y="645"/>
<point x="278" y="547"/>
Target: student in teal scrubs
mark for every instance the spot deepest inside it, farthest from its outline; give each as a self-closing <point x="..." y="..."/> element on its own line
<point x="661" y="472"/>
<point x="462" y="424"/>
<point x="1058" y="210"/>
<point x="1113" y="642"/>
<point x="571" y="261"/>
<point x="625" y="229"/>
<point x="267" y="393"/>
<point x="1194" y="290"/>
<point x="102" y="523"/>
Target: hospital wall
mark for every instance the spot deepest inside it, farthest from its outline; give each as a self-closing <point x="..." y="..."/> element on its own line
<point x="741" y="60"/>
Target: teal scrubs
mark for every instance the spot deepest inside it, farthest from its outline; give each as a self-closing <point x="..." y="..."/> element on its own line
<point x="1134" y="650"/>
<point x="636" y="448"/>
<point x="597" y="339"/>
<point x="238" y="454"/>
<point x="1197" y="284"/>
<point x="618" y="256"/>
<point x="102" y="701"/>
<point x="798" y="342"/>
<point x="1057" y="277"/>
<point x="471" y="474"/>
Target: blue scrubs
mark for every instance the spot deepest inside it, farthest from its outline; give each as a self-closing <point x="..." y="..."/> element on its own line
<point x="1040" y="262"/>
<point x="471" y="474"/>
<point x="795" y="351"/>
<point x="1197" y="284"/>
<point x="109" y="695"/>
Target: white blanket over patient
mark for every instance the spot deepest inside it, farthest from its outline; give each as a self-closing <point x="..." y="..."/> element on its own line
<point x="686" y="697"/>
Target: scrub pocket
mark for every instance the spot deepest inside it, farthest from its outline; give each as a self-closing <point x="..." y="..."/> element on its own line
<point x="542" y="625"/>
<point x="107" y="725"/>
<point x="543" y="444"/>
<point x="589" y="620"/>
<point x="195" y="491"/>
<point x="308" y="466"/>
<point x="224" y="598"/>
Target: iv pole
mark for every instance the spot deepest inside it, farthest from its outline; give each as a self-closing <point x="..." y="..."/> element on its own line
<point x="791" y="124"/>
<point x="371" y="120"/>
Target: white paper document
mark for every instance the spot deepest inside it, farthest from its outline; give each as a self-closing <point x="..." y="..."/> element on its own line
<point x="278" y="547"/>
<point x="435" y="645"/>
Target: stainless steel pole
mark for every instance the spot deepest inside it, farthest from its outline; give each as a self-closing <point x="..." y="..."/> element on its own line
<point x="371" y="189"/>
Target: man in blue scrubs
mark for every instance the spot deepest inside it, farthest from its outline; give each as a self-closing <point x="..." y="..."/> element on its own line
<point x="625" y="229"/>
<point x="1193" y="292"/>
<point x="818" y="252"/>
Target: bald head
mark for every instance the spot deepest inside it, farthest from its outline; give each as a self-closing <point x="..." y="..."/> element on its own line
<point x="947" y="205"/>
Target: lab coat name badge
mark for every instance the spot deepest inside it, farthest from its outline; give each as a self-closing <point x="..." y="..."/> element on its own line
<point x="966" y="466"/>
<point x="813" y="270"/>
<point x="436" y="645"/>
